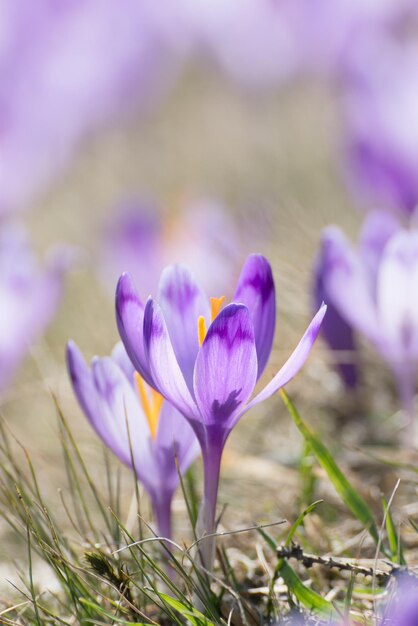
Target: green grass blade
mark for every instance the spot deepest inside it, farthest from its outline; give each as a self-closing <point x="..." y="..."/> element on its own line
<point x="102" y="612"/>
<point x="193" y="615"/>
<point x="351" y="498"/>
<point x="306" y="596"/>
<point x="395" y="545"/>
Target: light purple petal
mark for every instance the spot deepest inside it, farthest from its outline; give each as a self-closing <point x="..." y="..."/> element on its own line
<point x="121" y="422"/>
<point x="96" y="396"/>
<point x="226" y="367"/>
<point x="130" y="321"/>
<point x="397" y="293"/>
<point x="293" y="363"/>
<point x="378" y="228"/>
<point x="346" y="283"/>
<point x="120" y="356"/>
<point x="164" y="368"/>
<point x="182" y="303"/>
<point x="256" y="290"/>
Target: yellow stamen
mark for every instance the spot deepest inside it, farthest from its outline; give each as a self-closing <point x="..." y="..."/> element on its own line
<point x="216" y="304"/>
<point x="152" y="406"/>
<point x="201" y="329"/>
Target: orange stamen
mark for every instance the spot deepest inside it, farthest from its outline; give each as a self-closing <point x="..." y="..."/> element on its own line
<point x="216" y="304"/>
<point x="151" y="405"/>
<point x="201" y="329"/>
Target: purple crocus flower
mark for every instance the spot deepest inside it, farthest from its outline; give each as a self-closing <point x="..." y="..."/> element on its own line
<point x="208" y="376"/>
<point x="373" y="289"/>
<point x="133" y="421"/>
<point x="29" y="297"/>
<point x="380" y="106"/>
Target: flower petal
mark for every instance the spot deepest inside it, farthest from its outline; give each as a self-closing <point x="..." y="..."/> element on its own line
<point x="346" y="283"/>
<point x="397" y="294"/>
<point x="256" y="290"/>
<point x="107" y="399"/>
<point x="130" y="322"/>
<point x="175" y="438"/>
<point x="182" y="303"/>
<point x="122" y="424"/>
<point x="163" y="366"/>
<point x="335" y="330"/>
<point x="82" y="382"/>
<point x="293" y="363"/>
<point x="119" y="356"/>
<point x="226" y="367"/>
<point x="378" y="228"/>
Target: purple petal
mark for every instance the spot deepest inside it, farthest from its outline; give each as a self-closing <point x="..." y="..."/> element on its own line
<point x="226" y="367"/>
<point x="293" y="363"/>
<point x="81" y="381"/>
<point x="182" y="303"/>
<point x="120" y="357"/>
<point x="335" y="330"/>
<point x="175" y="438"/>
<point x="121" y="422"/>
<point x="378" y="228"/>
<point x="101" y="394"/>
<point x="163" y="365"/>
<point x="130" y="322"/>
<point x="346" y="283"/>
<point x="256" y="290"/>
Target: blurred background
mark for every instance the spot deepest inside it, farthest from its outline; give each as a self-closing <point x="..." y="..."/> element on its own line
<point x="134" y="134"/>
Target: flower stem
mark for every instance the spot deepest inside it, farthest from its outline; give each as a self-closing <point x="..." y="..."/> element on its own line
<point x="162" y="512"/>
<point x="212" y="455"/>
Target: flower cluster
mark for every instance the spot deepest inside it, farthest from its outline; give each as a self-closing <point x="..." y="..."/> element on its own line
<point x="204" y="359"/>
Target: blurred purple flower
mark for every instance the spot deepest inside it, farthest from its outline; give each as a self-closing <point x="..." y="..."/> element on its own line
<point x="402" y="607"/>
<point x="29" y="297"/>
<point x="140" y="240"/>
<point x="262" y="43"/>
<point x="329" y="32"/>
<point x="375" y="290"/>
<point x="136" y="424"/>
<point x="67" y="68"/>
<point x="250" y="40"/>
<point x="335" y="330"/>
<point x="380" y="109"/>
<point x="208" y="376"/>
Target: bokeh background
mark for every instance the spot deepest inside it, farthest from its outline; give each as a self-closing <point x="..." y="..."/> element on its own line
<point x="234" y="114"/>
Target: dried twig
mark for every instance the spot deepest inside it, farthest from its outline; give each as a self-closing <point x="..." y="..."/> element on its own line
<point x="308" y="560"/>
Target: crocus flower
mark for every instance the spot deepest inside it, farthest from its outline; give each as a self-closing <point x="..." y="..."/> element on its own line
<point x="374" y="290"/>
<point x="136" y="424"/>
<point x="380" y="114"/>
<point x="29" y="296"/>
<point x="208" y="375"/>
